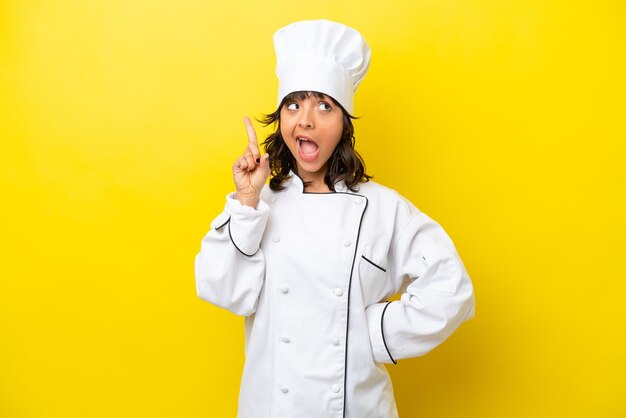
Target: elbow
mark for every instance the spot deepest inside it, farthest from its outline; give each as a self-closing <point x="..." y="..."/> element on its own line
<point x="243" y="306"/>
<point x="468" y="298"/>
<point x="214" y="287"/>
<point x="469" y="308"/>
<point x="198" y="276"/>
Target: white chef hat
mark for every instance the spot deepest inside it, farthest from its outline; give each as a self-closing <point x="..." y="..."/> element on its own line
<point x="323" y="56"/>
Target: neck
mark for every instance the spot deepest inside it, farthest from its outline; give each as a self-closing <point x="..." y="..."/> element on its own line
<point x="317" y="187"/>
<point x="316" y="183"/>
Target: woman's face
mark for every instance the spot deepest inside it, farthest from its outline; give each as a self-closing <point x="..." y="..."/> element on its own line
<point x="311" y="128"/>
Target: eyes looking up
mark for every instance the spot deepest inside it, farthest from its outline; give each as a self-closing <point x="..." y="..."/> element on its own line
<point x="322" y="106"/>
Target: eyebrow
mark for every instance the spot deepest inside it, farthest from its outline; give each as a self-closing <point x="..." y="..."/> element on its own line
<point x="304" y="95"/>
<point x="318" y="99"/>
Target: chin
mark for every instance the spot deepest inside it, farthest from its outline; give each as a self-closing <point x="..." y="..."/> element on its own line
<point x="310" y="167"/>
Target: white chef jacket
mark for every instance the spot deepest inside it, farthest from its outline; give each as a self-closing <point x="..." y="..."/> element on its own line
<point x="310" y="272"/>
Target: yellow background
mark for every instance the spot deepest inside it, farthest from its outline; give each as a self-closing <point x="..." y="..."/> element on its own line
<point x="119" y="121"/>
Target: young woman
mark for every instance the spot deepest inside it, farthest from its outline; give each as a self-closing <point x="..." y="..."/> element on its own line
<point x="310" y="259"/>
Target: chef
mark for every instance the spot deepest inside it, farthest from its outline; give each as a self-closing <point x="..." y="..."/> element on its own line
<point x="311" y="259"/>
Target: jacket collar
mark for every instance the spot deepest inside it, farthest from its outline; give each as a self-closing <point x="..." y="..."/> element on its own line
<point x="296" y="183"/>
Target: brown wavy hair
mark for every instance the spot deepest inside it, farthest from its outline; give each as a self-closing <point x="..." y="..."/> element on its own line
<point x="344" y="164"/>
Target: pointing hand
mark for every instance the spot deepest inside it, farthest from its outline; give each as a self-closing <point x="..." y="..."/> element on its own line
<point x="251" y="170"/>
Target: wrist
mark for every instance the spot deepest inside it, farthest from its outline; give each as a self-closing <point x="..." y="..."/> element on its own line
<point x="247" y="200"/>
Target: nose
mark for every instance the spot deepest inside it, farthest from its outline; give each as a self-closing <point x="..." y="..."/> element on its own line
<point x="306" y="119"/>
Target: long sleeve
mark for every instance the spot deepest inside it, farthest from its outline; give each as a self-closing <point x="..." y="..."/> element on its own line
<point x="438" y="293"/>
<point x="230" y="266"/>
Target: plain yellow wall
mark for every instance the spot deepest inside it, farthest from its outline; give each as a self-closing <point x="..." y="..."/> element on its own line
<point x="119" y="121"/>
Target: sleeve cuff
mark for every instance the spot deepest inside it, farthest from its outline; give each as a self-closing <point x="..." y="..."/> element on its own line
<point x="375" y="322"/>
<point x="246" y="224"/>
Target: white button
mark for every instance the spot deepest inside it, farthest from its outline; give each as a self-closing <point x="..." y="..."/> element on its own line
<point x="273" y="199"/>
<point x="284" y="390"/>
<point x="276" y="238"/>
<point x="336" y="341"/>
<point x="336" y="388"/>
<point x="347" y="243"/>
<point x="357" y="202"/>
<point x="285" y="339"/>
<point x="284" y="290"/>
<point x="338" y="292"/>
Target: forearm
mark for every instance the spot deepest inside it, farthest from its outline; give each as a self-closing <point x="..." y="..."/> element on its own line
<point x="230" y="266"/>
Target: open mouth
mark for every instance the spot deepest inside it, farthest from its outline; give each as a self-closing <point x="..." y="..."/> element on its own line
<point x="307" y="148"/>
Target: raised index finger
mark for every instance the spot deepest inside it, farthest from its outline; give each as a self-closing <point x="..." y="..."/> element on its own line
<point x="254" y="145"/>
